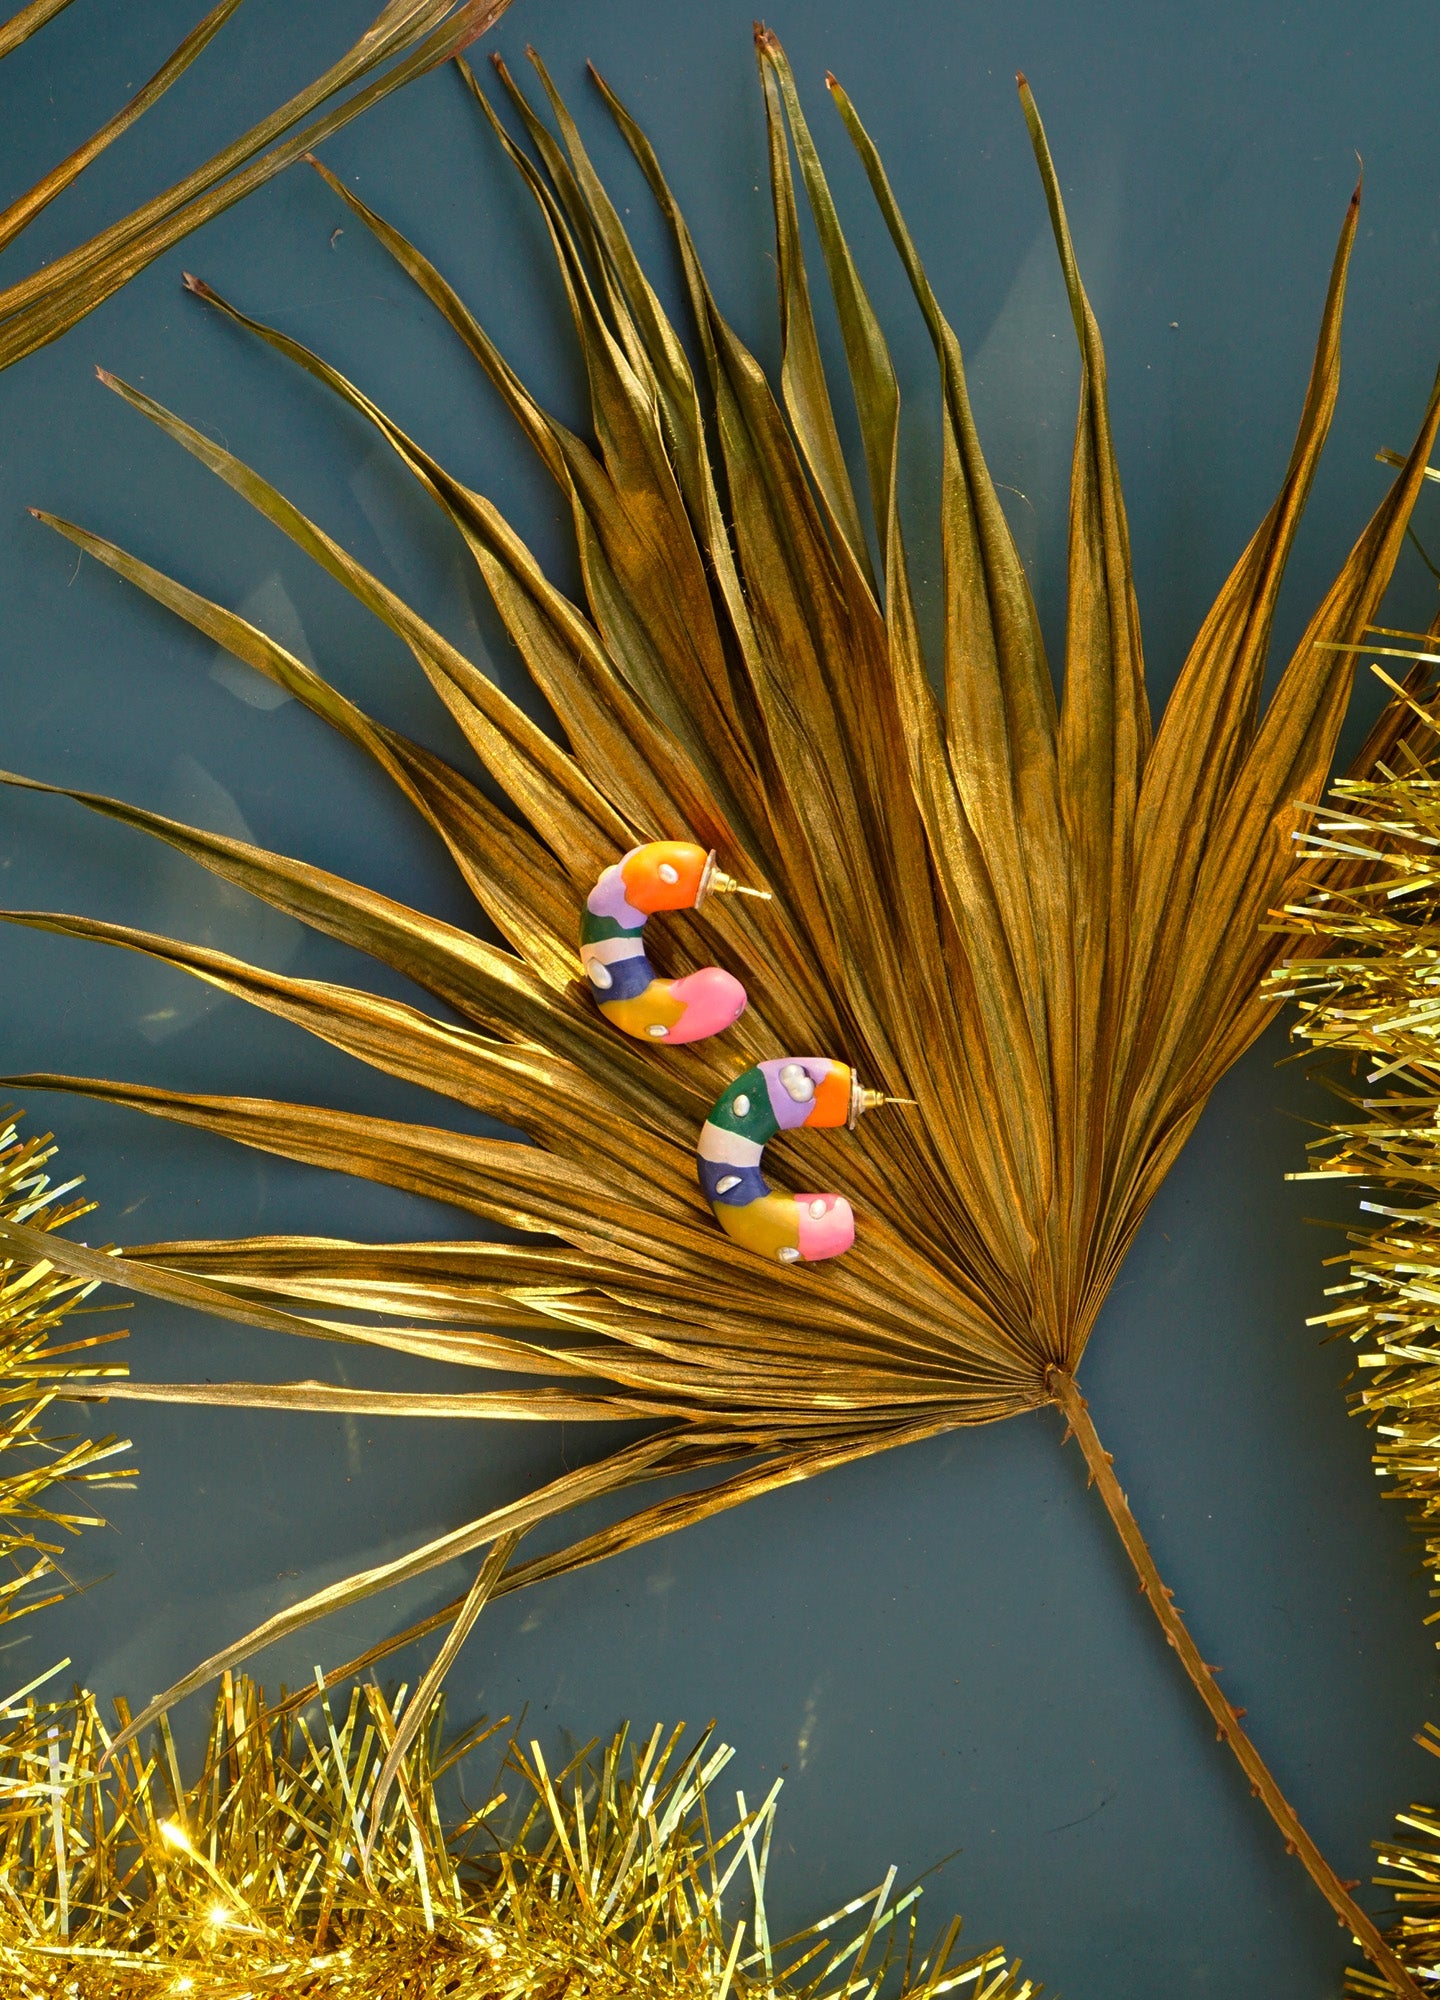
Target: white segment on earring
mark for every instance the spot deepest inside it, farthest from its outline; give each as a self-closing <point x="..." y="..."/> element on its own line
<point x="607" y="950"/>
<point x="597" y="958"/>
<point x="728" y="1149"/>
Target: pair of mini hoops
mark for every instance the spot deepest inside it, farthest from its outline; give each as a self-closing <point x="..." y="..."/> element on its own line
<point x="780" y="1096"/>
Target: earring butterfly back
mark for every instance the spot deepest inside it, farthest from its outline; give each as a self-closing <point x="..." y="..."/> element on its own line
<point x="661" y="875"/>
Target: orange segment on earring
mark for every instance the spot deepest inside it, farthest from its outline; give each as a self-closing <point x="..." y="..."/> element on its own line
<point x="665" y="875"/>
<point x="833" y="1093"/>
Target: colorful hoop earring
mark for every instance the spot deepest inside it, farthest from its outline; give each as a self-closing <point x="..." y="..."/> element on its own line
<point x="662" y="875"/>
<point x="771" y="1097"/>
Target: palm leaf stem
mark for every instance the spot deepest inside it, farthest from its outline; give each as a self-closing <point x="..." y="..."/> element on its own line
<point x="1298" y="1842"/>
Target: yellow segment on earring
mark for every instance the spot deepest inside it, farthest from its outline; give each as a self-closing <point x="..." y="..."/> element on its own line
<point x="650" y="1015"/>
<point x="770" y="1226"/>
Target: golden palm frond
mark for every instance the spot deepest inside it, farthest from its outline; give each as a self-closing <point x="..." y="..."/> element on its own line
<point x="1034" y="916"/>
<point x="612" y="1876"/>
<point x="43" y="1358"/>
<point x="413" y="36"/>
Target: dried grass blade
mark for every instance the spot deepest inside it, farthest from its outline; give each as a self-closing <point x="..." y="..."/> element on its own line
<point x="177" y="1288"/>
<point x="566" y="810"/>
<point x="574" y="1489"/>
<point x="556" y="1103"/>
<point x="1209" y="721"/>
<point x="27" y="206"/>
<point x="511" y="875"/>
<point x="40" y="308"/>
<point x="1105" y="715"/>
<point x="802" y="373"/>
<point x="992" y="628"/>
<point x="530" y="1406"/>
<point x="437" y="1280"/>
<point x="420" y="1707"/>
<point x="28" y="21"/>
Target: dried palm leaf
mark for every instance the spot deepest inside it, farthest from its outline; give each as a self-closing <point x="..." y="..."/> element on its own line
<point x="41" y="1359"/>
<point x="611" y="1877"/>
<point x="1029" y="914"/>
<point x="412" y="35"/>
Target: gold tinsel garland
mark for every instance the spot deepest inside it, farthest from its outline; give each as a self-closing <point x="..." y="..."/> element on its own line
<point x="268" y="1875"/>
<point x="287" y="1868"/>
<point x="36" y="1365"/>
<point x="1376" y="996"/>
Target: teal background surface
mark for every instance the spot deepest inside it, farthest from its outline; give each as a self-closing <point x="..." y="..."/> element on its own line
<point x="941" y="1650"/>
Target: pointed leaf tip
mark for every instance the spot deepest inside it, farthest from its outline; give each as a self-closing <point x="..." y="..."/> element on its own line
<point x="104" y="375"/>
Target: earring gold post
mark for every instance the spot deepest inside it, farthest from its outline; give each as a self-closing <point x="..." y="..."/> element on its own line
<point x="715" y="882"/>
<point x="721" y="884"/>
<point x="863" y="1100"/>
